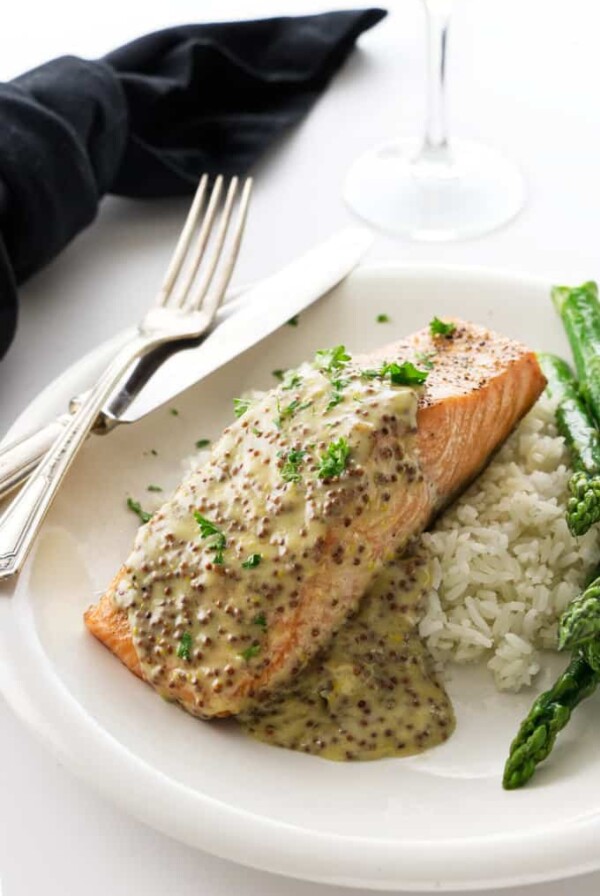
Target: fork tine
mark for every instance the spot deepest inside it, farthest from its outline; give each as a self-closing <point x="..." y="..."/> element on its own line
<point x="201" y="289"/>
<point x="223" y="277"/>
<point x="198" y="252"/>
<point x="183" y="243"/>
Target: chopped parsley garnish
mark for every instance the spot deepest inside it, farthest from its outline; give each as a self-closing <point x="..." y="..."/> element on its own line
<point x="174" y="412"/>
<point x="336" y="396"/>
<point x="437" y="327"/>
<point x="252" y="561"/>
<point x="293" y="321"/>
<point x="202" y="443"/>
<point x="290" y="471"/>
<point x="154" y="488"/>
<point x="218" y="542"/>
<point x="240" y="406"/>
<point x="154" y="452"/>
<point x="334" y="460"/>
<point x="250" y="652"/>
<point x="405" y="374"/>
<point x="136" y="508"/>
<point x="289" y="410"/>
<point x="278" y="374"/>
<point x="291" y="380"/>
<point x="184" y="651"/>
<point x="383" y="318"/>
<point x="260" y="619"/>
<point x="425" y="359"/>
<point x="328" y="360"/>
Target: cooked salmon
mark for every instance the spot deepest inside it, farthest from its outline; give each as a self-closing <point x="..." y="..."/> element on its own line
<point x="264" y="551"/>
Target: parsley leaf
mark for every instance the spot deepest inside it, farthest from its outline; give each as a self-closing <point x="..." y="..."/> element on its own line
<point x="291" y="380"/>
<point x="334" y="460"/>
<point x="290" y="471"/>
<point x="174" y="412"/>
<point x="240" y="406"/>
<point x="293" y="321"/>
<point x="437" y="327"/>
<point x="250" y="652"/>
<point x="336" y="396"/>
<point x="252" y="561"/>
<point x="153" y="488"/>
<point x="218" y="541"/>
<point x="136" y="508"/>
<point x="289" y="410"/>
<point x="185" y="647"/>
<point x="405" y="374"/>
<point x="383" y="318"/>
<point x="202" y="443"/>
<point x="260" y="619"/>
<point x="328" y="360"/>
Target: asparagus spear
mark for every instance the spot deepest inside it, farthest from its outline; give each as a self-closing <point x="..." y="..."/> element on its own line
<point x="577" y="426"/>
<point x="549" y="715"/>
<point x="580" y="622"/>
<point x="579" y="310"/>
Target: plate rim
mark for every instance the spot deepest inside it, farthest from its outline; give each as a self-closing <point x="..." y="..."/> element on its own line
<point x="41" y="701"/>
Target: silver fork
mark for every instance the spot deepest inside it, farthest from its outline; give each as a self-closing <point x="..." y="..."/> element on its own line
<point x="187" y="302"/>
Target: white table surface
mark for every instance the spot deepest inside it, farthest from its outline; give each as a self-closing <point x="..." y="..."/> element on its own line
<point x="523" y="77"/>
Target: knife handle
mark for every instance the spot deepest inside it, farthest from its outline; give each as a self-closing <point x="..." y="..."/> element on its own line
<point x="20" y="458"/>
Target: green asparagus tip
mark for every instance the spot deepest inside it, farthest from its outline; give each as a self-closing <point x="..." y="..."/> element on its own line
<point x="523" y="758"/>
<point x="581" y="620"/>
<point x="560" y="294"/>
<point x="583" y="507"/>
<point x="549" y="714"/>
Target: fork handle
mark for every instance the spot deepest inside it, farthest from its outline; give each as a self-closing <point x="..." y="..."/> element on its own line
<point x="22" y="519"/>
<point x="20" y="458"/>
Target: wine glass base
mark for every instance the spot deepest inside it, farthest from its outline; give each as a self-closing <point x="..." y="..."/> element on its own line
<point x="476" y="190"/>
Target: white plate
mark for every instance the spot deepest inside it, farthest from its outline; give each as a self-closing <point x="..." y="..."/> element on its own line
<point x="435" y="821"/>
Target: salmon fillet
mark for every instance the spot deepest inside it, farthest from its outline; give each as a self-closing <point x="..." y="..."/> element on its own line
<point x="213" y="619"/>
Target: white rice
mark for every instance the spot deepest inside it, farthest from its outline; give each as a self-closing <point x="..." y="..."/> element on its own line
<point x="503" y="563"/>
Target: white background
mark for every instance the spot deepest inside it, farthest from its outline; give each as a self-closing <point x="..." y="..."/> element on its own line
<point x="523" y="76"/>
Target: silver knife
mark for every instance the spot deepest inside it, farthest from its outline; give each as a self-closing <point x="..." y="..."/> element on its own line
<point x="265" y="308"/>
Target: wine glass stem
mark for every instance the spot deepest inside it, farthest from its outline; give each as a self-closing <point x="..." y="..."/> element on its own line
<point x="435" y="145"/>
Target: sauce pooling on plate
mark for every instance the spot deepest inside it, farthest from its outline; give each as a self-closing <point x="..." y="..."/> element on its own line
<point x="373" y="692"/>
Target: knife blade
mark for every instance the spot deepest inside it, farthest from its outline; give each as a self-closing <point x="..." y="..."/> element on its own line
<point x="261" y="312"/>
<point x="302" y="282"/>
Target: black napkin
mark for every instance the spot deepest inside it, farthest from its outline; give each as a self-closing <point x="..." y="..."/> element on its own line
<point x="147" y="120"/>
